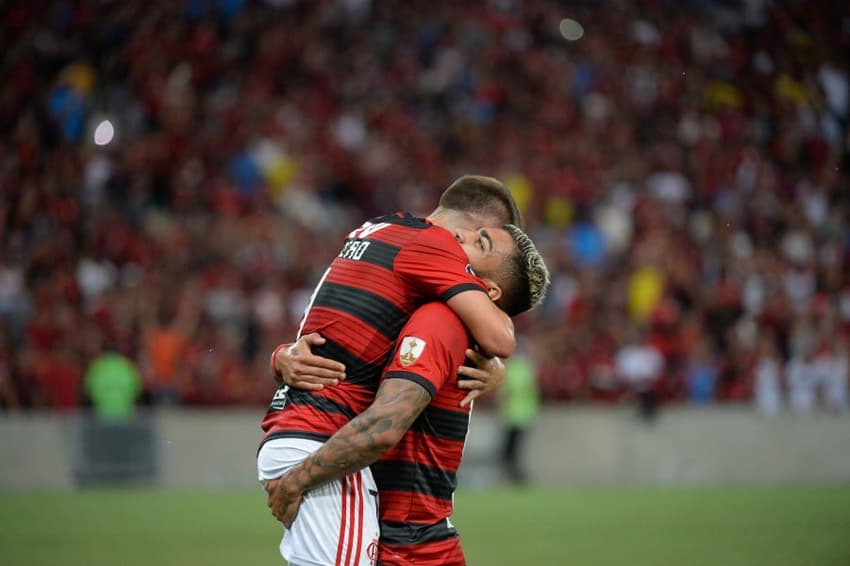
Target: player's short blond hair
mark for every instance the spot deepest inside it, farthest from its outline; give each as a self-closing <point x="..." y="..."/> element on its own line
<point x="524" y="277"/>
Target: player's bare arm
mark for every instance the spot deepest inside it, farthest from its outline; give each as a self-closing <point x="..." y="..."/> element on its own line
<point x="295" y="365"/>
<point x="487" y="375"/>
<point x="359" y="443"/>
<point x="489" y="326"/>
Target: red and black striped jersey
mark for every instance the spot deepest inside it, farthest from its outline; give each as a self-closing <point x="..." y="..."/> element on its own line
<point x="417" y="478"/>
<point x="386" y="269"/>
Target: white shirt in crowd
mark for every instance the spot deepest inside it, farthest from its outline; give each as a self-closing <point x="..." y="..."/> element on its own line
<point x="639" y="365"/>
<point x="826" y="374"/>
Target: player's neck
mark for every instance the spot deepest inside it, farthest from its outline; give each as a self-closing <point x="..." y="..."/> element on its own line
<point x="452" y="219"/>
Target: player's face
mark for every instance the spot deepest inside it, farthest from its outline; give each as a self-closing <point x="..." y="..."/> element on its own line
<point x="486" y="248"/>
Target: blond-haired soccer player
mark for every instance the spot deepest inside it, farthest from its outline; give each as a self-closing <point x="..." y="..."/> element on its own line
<point x="386" y="269"/>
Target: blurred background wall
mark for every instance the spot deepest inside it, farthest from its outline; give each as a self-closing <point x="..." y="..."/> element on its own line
<point x="215" y="450"/>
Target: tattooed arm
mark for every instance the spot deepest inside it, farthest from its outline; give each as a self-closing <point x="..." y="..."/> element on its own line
<point x="356" y="445"/>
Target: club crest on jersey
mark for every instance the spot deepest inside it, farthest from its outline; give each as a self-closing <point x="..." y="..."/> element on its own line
<point x="410" y="350"/>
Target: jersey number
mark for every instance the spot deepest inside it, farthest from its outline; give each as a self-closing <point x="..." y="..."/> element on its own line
<point x="363" y="232"/>
<point x="367" y="229"/>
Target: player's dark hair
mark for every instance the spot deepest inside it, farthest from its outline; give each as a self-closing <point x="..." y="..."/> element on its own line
<point x="523" y="277"/>
<point x="482" y="195"/>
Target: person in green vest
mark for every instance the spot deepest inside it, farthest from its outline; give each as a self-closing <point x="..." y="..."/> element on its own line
<point x="519" y="401"/>
<point x="113" y="384"/>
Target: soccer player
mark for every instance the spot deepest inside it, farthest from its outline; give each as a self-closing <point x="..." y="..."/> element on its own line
<point x="386" y="269"/>
<point x="416" y="425"/>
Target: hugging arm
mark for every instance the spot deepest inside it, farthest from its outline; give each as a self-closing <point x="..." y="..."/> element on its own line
<point x="295" y="365"/>
<point x="487" y="375"/>
<point x="489" y="326"/>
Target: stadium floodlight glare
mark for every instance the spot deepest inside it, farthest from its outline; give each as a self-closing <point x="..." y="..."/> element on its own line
<point x="570" y="29"/>
<point x="104" y="133"/>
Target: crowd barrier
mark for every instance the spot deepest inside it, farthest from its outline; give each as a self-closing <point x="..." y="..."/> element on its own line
<point x="215" y="449"/>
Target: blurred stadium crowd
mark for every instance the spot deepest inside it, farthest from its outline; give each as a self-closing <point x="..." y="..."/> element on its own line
<point x="175" y="175"/>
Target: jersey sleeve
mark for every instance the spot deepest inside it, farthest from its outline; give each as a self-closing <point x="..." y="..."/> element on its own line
<point x="430" y="348"/>
<point x="436" y="266"/>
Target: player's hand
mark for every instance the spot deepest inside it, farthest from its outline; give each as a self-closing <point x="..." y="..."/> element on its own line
<point x="297" y="366"/>
<point x="488" y="375"/>
<point x="283" y="502"/>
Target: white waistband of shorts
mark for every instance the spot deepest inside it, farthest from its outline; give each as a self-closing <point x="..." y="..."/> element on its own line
<point x="299" y="443"/>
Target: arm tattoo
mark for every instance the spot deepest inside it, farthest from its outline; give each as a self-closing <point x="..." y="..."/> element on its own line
<point x="365" y="438"/>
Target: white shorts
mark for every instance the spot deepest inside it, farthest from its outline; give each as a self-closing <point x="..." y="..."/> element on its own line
<point x="337" y="523"/>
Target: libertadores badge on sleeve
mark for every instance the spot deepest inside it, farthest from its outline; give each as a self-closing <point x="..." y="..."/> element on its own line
<point x="410" y="350"/>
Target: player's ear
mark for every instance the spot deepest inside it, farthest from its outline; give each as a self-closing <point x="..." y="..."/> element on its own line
<point x="493" y="290"/>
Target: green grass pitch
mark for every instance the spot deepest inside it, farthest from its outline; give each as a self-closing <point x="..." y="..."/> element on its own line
<point x="595" y="526"/>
